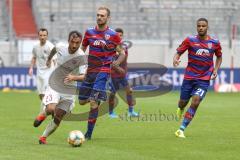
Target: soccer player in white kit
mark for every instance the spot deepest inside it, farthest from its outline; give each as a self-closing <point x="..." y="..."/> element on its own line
<point x="62" y="103"/>
<point x="40" y="52"/>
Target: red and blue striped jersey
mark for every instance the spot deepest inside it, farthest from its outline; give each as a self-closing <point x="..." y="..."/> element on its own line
<point x="200" y="56"/>
<point x="102" y="48"/>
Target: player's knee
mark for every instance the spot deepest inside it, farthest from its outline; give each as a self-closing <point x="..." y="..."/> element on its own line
<point x="56" y="120"/>
<point x="93" y="104"/>
<point x="82" y="102"/>
<point x="129" y="91"/>
<point x="50" y="109"/>
<point x="182" y="103"/>
<point x="195" y="101"/>
<point x="112" y="96"/>
<point x="59" y="114"/>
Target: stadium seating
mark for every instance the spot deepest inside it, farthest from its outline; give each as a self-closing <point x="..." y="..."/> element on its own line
<point x="142" y="19"/>
<point x="4" y="31"/>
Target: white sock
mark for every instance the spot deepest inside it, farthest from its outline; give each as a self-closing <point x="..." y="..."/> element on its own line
<point x="42" y="108"/>
<point x="51" y="127"/>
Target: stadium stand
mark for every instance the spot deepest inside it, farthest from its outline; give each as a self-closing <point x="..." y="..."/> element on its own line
<point x="4" y="31"/>
<point x="23" y="19"/>
<point x="142" y="19"/>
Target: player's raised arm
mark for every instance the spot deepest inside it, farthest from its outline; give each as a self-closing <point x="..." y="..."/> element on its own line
<point x="52" y="53"/>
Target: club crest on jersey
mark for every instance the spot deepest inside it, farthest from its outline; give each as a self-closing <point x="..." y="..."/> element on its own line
<point x="209" y="45"/>
<point x="107" y="36"/>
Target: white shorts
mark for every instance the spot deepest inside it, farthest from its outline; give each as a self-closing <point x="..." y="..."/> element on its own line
<point x="64" y="102"/>
<point x="42" y="81"/>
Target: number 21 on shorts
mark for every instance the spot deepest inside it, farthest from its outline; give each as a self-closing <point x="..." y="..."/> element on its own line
<point x="200" y="92"/>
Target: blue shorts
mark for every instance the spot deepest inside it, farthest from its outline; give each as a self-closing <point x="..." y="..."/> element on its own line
<point x="117" y="84"/>
<point x="94" y="87"/>
<point x="194" y="87"/>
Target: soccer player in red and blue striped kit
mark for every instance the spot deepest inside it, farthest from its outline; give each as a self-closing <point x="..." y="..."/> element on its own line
<point x="119" y="81"/>
<point x="199" y="71"/>
<point x="103" y="44"/>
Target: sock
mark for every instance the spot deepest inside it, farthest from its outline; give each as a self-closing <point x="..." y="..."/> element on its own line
<point x="51" y="127"/>
<point x="130" y="108"/>
<point x="93" y="114"/>
<point x="130" y="103"/>
<point x="187" y="118"/>
<point x="42" y="108"/>
<point x="44" y="112"/>
<point x="111" y="104"/>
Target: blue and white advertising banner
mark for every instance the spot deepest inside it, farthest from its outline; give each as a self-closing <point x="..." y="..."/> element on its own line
<point x="140" y="78"/>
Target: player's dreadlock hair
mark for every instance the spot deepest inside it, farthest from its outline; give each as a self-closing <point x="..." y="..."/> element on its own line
<point x="203" y="19"/>
<point x="74" y="34"/>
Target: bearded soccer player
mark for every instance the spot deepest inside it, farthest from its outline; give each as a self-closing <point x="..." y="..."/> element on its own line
<point x="119" y="81"/>
<point x="199" y="71"/>
<point x="62" y="103"/>
<point x="103" y="44"/>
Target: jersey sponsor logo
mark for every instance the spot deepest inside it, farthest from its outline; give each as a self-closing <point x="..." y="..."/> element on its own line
<point x="202" y="52"/>
<point x="99" y="43"/>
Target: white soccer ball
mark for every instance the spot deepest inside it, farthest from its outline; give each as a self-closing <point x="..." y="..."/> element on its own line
<point x="76" y="138"/>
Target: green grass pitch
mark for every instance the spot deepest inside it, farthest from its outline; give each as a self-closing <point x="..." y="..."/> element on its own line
<point x="213" y="134"/>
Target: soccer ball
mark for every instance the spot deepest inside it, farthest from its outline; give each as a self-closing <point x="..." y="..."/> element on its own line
<point x="76" y="138"/>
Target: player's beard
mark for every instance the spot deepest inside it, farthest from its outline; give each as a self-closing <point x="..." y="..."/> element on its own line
<point x="43" y="42"/>
<point x="202" y="33"/>
<point x="73" y="50"/>
<point x="101" y="24"/>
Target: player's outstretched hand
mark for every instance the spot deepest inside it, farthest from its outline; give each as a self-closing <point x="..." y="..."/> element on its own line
<point x="214" y="75"/>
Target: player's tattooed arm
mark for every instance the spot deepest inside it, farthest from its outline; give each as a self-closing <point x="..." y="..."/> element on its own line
<point x="121" y="56"/>
<point x="52" y="53"/>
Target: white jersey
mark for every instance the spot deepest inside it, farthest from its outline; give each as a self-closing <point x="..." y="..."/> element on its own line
<point x="63" y="54"/>
<point x="63" y="59"/>
<point x="41" y="54"/>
